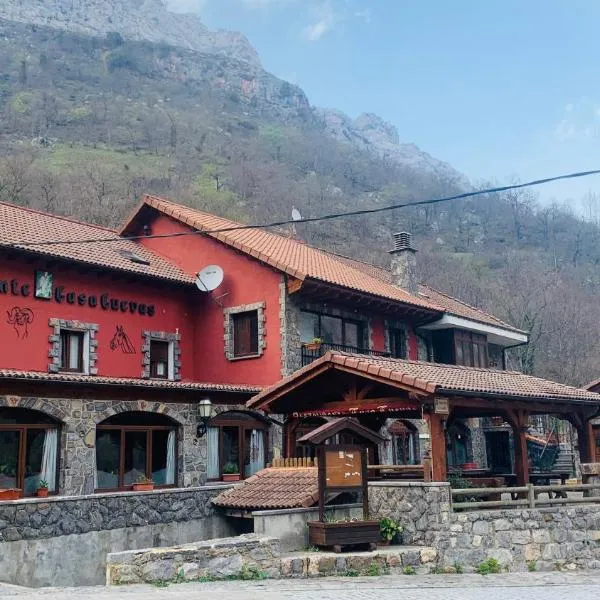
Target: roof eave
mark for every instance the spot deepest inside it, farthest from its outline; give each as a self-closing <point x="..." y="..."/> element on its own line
<point x="518" y="397"/>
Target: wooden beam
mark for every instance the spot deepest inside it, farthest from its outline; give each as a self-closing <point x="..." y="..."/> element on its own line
<point x="438" y="446"/>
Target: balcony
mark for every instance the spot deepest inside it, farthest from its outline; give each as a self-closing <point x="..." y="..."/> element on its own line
<point x="309" y="354"/>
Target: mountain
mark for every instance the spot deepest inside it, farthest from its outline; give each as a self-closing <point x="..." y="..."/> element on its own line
<point x="150" y="20"/>
<point x="134" y="19"/>
<point x="103" y="100"/>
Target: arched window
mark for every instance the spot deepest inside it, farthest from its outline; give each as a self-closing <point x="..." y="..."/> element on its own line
<point x="458" y="444"/>
<point x="405" y="443"/>
<point x="133" y="445"/>
<point x="28" y="450"/>
<point x="237" y="444"/>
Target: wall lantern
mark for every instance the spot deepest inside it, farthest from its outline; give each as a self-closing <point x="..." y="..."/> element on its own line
<point x="204" y="412"/>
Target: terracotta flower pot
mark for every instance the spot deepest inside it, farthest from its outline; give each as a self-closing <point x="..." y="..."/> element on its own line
<point x="42" y="492"/>
<point x="313" y="347"/>
<point x="143" y="487"/>
<point x="231" y="476"/>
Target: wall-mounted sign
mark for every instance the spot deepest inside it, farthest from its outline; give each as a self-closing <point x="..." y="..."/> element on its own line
<point x="441" y="406"/>
<point x="44" y="289"/>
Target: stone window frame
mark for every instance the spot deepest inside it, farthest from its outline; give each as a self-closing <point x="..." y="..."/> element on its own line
<point x="259" y="307"/>
<point x="90" y="344"/>
<point x="174" y="341"/>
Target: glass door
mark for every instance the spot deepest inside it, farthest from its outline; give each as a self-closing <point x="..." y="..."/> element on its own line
<point x="10" y="443"/>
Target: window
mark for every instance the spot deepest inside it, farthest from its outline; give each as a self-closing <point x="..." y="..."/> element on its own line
<point x="397" y="342"/>
<point x="470" y="349"/>
<point x="134" y="444"/>
<point x="237" y="442"/>
<point x="405" y="443"/>
<point x="71" y="351"/>
<point x="245" y="333"/>
<point x="28" y="450"/>
<point x="458" y="445"/>
<point x="159" y="359"/>
<point x="336" y="331"/>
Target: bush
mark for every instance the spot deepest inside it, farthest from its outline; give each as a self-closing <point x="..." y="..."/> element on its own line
<point x="491" y="565"/>
<point x="409" y="570"/>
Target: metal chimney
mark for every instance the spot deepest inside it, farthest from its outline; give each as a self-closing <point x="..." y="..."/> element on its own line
<point x="404" y="263"/>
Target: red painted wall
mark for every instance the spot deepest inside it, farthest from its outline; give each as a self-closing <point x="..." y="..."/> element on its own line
<point x="377" y="334"/>
<point x="28" y="350"/>
<point x="413" y="346"/>
<point x="246" y="281"/>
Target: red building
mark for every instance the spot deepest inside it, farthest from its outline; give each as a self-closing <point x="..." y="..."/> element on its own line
<point x="110" y="348"/>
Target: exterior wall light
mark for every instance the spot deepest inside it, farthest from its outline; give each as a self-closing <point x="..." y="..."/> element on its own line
<point x="204" y="413"/>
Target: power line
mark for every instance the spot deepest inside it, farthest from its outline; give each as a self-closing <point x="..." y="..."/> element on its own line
<point x="352" y="213"/>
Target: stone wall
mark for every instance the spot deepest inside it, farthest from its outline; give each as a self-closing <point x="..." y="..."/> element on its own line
<point x="64" y="541"/>
<point x="422" y="508"/>
<point x="257" y="557"/>
<point x="228" y="557"/>
<point x="544" y="539"/>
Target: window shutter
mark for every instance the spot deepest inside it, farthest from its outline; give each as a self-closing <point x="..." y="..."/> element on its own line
<point x="245" y="333"/>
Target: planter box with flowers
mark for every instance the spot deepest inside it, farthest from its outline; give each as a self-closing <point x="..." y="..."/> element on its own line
<point x="143" y="484"/>
<point x="231" y="472"/>
<point x="314" y="345"/>
<point x="10" y="494"/>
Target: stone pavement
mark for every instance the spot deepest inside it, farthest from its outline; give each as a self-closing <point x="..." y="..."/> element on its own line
<point x="521" y="586"/>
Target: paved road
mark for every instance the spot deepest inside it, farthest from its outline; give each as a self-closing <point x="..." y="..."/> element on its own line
<point x="522" y="586"/>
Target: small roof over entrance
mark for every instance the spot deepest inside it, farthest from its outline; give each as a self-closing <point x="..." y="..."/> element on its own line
<point x="340" y="383"/>
<point x="332" y="428"/>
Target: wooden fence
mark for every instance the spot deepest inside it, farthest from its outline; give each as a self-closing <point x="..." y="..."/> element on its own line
<point x="527" y="496"/>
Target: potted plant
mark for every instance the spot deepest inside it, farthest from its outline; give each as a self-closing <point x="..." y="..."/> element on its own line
<point x="143" y="484"/>
<point x="390" y="531"/>
<point x="231" y="472"/>
<point x="314" y="345"/>
<point x="42" y="489"/>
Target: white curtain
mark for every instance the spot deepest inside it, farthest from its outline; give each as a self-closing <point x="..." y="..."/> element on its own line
<point x="257" y="453"/>
<point x="48" y="472"/>
<point x="212" y="454"/>
<point x="96" y="468"/>
<point x="170" y="475"/>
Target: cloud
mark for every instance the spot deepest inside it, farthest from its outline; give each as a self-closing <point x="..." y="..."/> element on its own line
<point x="580" y="121"/>
<point x="325" y="20"/>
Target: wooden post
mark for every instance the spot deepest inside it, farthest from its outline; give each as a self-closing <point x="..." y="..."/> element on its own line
<point x="438" y="446"/>
<point x="587" y="446"/>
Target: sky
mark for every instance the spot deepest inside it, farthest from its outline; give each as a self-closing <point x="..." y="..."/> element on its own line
<point x="500" y="89"/>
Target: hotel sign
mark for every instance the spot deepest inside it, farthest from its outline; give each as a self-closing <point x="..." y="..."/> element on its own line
<point x="43" y="288"/>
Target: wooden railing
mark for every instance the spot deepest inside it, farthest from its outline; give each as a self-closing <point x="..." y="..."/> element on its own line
<point x="523" y="496"/>
<point x="303" y="462"/>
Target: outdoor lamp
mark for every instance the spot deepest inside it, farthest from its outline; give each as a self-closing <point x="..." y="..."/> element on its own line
<point x="204" y="412"/>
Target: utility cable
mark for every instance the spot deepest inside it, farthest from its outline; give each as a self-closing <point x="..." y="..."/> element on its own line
<point x="352" y="213"/>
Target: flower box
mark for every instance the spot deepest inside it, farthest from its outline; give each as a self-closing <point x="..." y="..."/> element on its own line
<point x="143" y="487"/>
<point x="348" y="533"/>
<point x="231" y="477"/>
<point x="10" y="494"/>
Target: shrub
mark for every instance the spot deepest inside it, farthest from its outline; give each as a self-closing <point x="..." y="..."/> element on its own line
<point x="531" y="566"/>
<point x="408" y="570"/>
<point x="491" y="565"/>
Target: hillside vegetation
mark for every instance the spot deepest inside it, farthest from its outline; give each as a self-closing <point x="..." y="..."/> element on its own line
<point x="89" y="124"/>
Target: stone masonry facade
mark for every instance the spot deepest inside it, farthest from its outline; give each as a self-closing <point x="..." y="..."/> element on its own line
<point x="79" y="417"/>
<point x="34" y="519"/>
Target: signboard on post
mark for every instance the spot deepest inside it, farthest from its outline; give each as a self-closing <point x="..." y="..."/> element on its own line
<point x="342" y="469"/>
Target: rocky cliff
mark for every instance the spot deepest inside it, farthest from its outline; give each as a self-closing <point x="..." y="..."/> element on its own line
<point x="134" y="19"/>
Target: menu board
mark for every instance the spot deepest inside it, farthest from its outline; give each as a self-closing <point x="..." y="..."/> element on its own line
<point x="343" y="468"/>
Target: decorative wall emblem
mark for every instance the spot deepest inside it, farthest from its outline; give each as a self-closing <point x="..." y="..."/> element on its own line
<point x="121" y="341"/>
<point x="43" y="285"/>
<point x="20" y="318"/>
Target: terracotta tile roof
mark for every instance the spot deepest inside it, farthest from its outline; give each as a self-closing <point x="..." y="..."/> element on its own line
<point x="273" y="488"/>
<point x="436" y="378"/>
<point x="19" y="225"/>
<point x="445" y="303"/>
<point x="331" y="428"/>
<point x="72" y="378"/>
<point x="290" y="256"/>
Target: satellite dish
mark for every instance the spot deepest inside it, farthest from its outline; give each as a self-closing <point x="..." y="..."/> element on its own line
<point x="296" y="216"/>
<point x="210" y="278"/>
